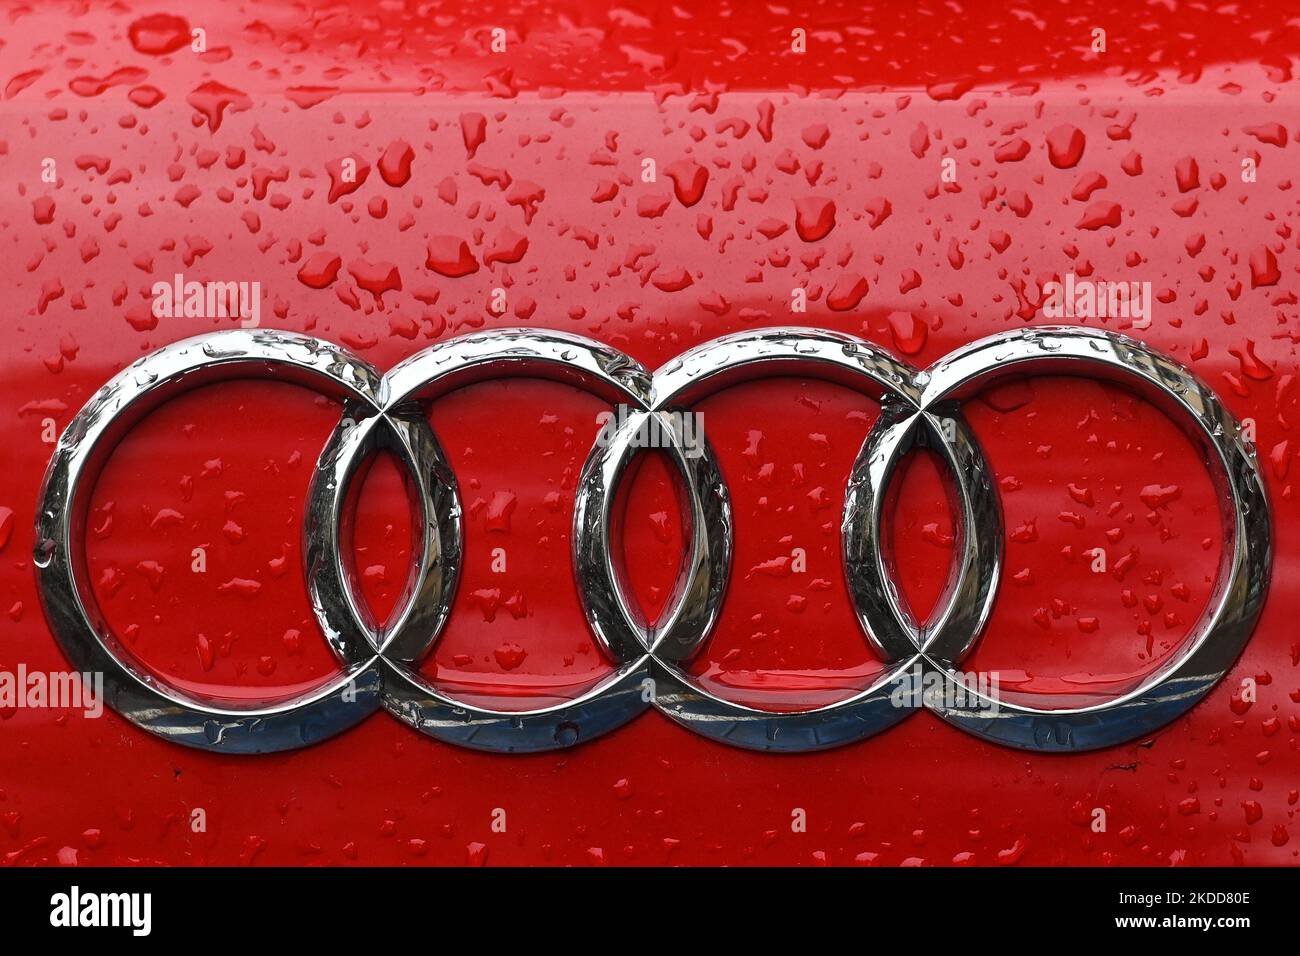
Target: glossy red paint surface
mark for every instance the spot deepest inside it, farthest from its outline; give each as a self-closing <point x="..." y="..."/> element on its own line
<point x="225" y="166"/>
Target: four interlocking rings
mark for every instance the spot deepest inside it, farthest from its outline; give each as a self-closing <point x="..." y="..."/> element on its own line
<point x="380" y="664"/>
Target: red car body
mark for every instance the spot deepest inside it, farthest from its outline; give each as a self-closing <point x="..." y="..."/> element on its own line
<point x="514" y="161"/>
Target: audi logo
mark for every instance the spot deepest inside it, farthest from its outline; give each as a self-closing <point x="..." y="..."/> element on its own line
<point x="379" y="664"/>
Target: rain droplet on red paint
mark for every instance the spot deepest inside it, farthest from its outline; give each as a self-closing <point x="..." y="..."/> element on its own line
<point x="1101" y="213"/>
<point x="159" y="34"/>
<point x="451" y="257"/>
<point x="509" y="246"/>
<point x="848" y="291"/>
<point x="526" y="195"/>
<point x="376" y="278"/>
<point x="1012" y="151"/>
<point x="952" y="90"/>
<point x="320" y="270"/>
<point x="672" y="280"/>
<point x="473" y="130"/>
<point x="1154" y="496"/>
<point x="909" y="332"/>
<point x="341" y="185"/>
<point x="395" y="164"/>
<point x="689" y="179"/>
<point x="1065" y="146"/>
<point x="93" y="86"/>
<point x="1187" y="173"/>
<point x="814" y="218"/>
<point x="212" y="99"/>
<point x="1263" y="267"/>
<point x="145" y="97"/>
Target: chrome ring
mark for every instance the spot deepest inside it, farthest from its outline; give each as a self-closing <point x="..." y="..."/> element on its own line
<point x="714" y="366"/>
<point x="76" y="620"/>
<point x="611" y="701"/>
<point x="1221" y="633"/>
